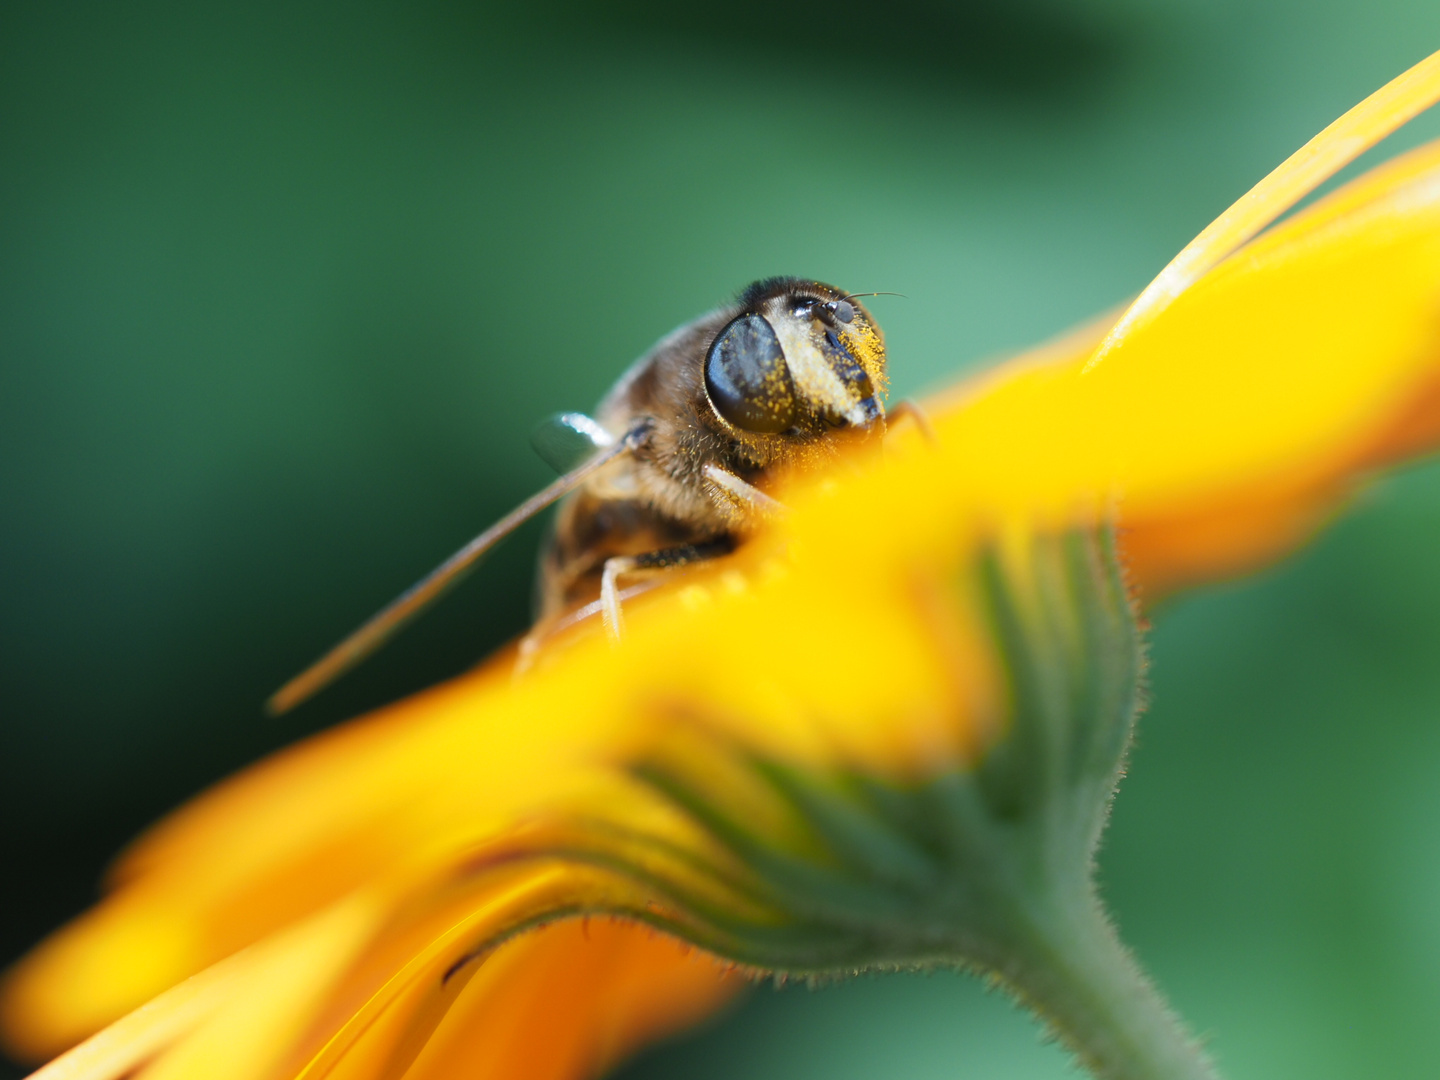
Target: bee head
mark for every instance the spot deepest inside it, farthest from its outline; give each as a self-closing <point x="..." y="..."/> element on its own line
<point x="799" y="357"/>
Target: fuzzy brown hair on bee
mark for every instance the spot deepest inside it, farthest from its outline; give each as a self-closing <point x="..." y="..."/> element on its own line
<point x="682" y="451"/>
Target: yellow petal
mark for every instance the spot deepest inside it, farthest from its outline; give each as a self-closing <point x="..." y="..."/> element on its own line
<point x="286" y="840"/>
<point x="1390" y="107"/>
<point x="238" y="1019"/>
<point x="1223" y="430"/>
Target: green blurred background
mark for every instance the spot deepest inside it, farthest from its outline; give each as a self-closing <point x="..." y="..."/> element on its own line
<point x="285" y="287"/>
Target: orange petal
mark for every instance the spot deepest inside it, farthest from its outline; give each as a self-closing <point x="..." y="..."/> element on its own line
<point x="571" y="1000"/>
<point x="546" y="1002"/>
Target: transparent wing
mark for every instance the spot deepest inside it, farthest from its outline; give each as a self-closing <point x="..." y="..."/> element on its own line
<point x="567" y="439"/>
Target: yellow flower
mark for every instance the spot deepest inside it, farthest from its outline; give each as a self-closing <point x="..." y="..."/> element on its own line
<point x="529" y="877"/>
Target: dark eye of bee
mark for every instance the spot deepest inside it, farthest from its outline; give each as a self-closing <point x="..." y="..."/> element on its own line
<point x="746" y="377"/>
<point x="832" y="311"/>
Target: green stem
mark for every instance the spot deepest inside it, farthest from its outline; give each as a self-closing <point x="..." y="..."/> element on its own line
<point x="1069" y="965"/>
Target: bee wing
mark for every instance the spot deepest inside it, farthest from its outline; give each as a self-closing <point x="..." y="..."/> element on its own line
<point x="374" y="633"/>
<point x="566" y="439"/>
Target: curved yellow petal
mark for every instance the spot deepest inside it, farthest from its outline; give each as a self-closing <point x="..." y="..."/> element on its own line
<point x="238" y="1019"/>
<point x="154" y="1027"/>
<point x="1222" y="432"/>
<point x="1386" y="110"/>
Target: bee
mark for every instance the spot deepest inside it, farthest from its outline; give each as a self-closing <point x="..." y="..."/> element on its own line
<point x="676" y="460"/>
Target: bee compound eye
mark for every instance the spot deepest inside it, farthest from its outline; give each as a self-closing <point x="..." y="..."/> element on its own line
<point x="843" y="310"/>
<point x="746" y="377"/>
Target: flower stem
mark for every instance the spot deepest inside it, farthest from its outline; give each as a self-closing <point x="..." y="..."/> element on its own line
<point x="1068" y="964"/>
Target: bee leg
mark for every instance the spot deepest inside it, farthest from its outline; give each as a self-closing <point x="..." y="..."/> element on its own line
<point x="747" y="495"/>
<point x="610" y="595"/>
<point x="910" y="410"/>
<point x="665" y="559"/>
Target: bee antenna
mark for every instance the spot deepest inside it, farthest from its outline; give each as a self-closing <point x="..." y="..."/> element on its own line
<point x="374" y="633"/>
<point x="853" y="296"/>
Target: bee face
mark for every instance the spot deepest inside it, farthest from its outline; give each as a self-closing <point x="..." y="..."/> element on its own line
<point x="800" y="358"/>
